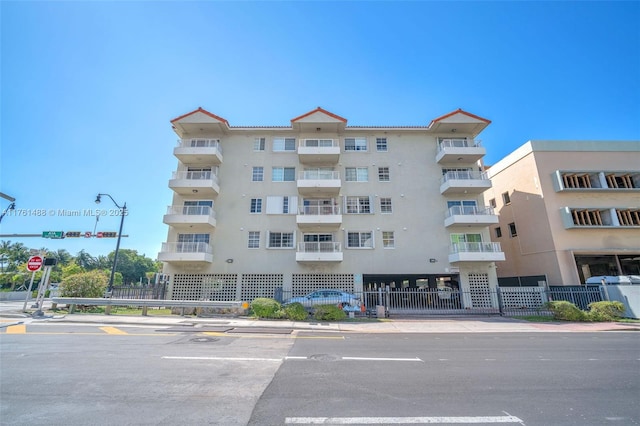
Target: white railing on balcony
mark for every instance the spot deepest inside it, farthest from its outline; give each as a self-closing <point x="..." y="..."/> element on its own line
<point x="200" y="143"/>
<point x="318" y="175"/>
<point x="318" y="210"/>
<point x="196" y="175"/>
<point x="469" y="210"/>
<point x="475" y="247"/>
<point x="463" y="175"/>
<point x="186" y="248"/>
<point x="457" y="143"/>
<point x="191" y="210"/>
<point x="319" y="143"/>
<point x="320" y="247"/>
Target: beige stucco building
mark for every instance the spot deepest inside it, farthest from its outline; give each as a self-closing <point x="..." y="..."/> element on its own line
<point x="320" y="204"/>
<point x="568" y="210"/>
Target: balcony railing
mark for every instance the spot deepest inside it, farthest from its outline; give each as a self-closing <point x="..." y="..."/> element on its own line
<point x="191" y="210"/>
<point x="457" y="143"/>
<point x="463" y="175"/>
<point x="319" y="210"/>
<point x="319" y="143"/>
<point x="320" y="247"/>
<point x="196" y="175"/>
<point x="319" y="175"/>
<point x="200" y="143"/>
<point x="186" y="248"/>
<point x="469" y="210"/>
<point x="475" y="248"/>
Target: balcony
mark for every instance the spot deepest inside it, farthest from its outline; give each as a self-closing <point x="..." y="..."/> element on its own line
<point x="326" y="151"/>
<point x="203" y="183"/>
<point x="464" y="182"/>
<point x="470" y="216"/>
<point x="191" y="217"/>
<point x="324" y="251"/>
<point x="461" y="150"/>
<point x="476" y="252"/>
<point x="199" y="151"/>
<point x="319" y="217"/>
<point x="186" y="252"/>
<point x="319" y="182"/>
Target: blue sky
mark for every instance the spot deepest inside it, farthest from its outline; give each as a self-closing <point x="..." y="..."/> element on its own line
<point x="88" y="88"/>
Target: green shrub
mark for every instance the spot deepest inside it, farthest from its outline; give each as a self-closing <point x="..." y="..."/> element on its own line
<point x="87" y="284"/>
<point x="329" y="313"/>
<point x="296" y="312"/>
<point x="605" y="311"/>
<point x="264" y="307"/>
<point x="566" y="311"/>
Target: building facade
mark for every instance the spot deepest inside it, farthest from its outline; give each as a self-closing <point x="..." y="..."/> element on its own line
<point x="320" y="204"/>
<point x="568" y="210"/>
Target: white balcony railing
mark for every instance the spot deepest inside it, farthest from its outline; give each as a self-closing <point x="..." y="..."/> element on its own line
<point x="320" y="247"/>
<point x="196" y="175"/>
<point x="463" y="175"/>
<point x="476" y="248"/>
<point x="191" y="210"/>
<point x="469" y="210"/>
<point x="200" y="143"/>
<point x="318" y="175"/>
<point x="186" y="248"/>
<point x="319" y="210"/>
<point x="457" y="143"/>
<point x="319" y="143"/>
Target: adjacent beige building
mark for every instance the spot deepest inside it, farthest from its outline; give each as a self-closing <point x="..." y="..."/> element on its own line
<point x="320" y="204"/>
<point x="568" y="210"/>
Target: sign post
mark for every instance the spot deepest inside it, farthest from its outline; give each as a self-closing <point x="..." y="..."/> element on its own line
<point x="33" y="264"/>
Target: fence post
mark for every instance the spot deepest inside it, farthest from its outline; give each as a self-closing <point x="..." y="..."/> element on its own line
<point x="500" y="305"/>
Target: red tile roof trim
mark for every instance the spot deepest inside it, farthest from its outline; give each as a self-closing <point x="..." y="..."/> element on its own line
<point x="204" y="111"/>
<point x="324" y="111"/>
<point x="460" y="111"/>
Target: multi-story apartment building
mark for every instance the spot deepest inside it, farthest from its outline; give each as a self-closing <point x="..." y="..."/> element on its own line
<point x="568" y="210"/>
<point x="319" y="204"/>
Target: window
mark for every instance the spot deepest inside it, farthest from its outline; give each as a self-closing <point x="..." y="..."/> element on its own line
<point x="257" y="174"/>
<point x="388" y="239"/>
<point x="628" y="217"/>
<point x="280" y="240"/>
<point x="258" y="144"/>
<point x="355" y="144"/>
<point x="492" y="203"/>
<point x="505" y="198"/>
<point x="283" y="174"/>
<point x="513" y="232"/>
<point x="322" y="143"/>
<point x="381" y="144"/>
<point x="590" y="217"/>
<point x="318" y="243"/>
<point x="462" y="207"/>
<point x="385" y="205"/>
<point x="197" y="207"/>
<point x="284" y="144"/>
<point x="198" y="172"/>
<point x="358" y="205"/>
<point x="256" y="205"/>
<point x="356" y="174"/>
<point x="359" y="239"/>
<point x="383" y="174"/>
<point x="254" y="240"/>
<point x="192" y="243"/>
<point x="277" y="204"/>
<point x="498" y="232"/>
<point x="576" y="180"/>
<point x="624" y="180"/>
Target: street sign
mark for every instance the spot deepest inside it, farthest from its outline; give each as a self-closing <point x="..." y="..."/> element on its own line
<point x="99" y="235"/>
<point x="72" y="234"/>
<point x="34" y="263"/>
<point x="55" y="235"/>
<point x="109" y="234"/>
<point x="87" y="234"/>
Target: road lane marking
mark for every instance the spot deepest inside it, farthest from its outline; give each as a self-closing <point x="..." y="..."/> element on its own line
<point x="220" y="358"/>
<point x="113" y="330"/>
<point x="400" y="420"/>
<point x="17" y="329"/>
<point x="356" y="358"/>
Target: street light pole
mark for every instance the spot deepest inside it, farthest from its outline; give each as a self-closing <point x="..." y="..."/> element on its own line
<point x="123" y="212"/>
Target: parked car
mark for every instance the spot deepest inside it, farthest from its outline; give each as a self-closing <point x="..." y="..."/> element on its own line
<point x="347" y="301"/>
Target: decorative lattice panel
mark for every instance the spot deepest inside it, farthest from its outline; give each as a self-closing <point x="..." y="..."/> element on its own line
<point x="306" y="283"/>
<point x="480" y="294"/>
<point x="216" y="287"/>
<point x="260" y="285"/>
<point x="522" y="297"/>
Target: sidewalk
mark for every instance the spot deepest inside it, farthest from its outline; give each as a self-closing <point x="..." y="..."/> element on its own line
<point x="11" y="313"/>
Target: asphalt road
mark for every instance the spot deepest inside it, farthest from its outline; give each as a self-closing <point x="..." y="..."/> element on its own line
<point x="76" y="374"/>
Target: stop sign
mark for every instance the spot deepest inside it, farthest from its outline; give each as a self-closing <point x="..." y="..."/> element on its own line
<point x="34" y="263"/>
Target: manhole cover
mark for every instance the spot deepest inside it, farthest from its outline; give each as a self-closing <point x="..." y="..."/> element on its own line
<point x="204" y="339"/>
<point x="323" y="357"/>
